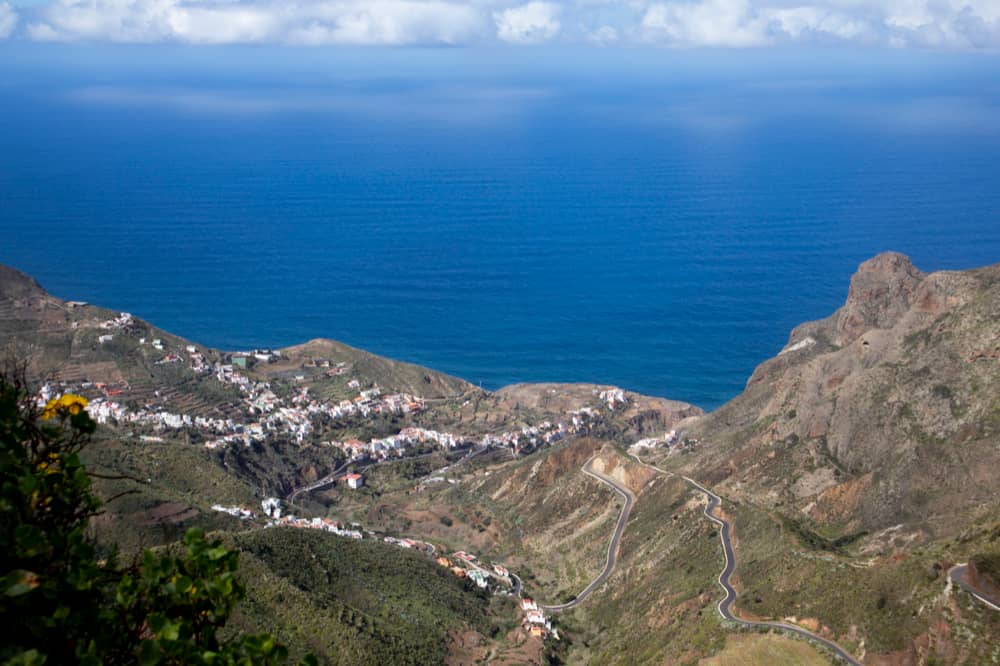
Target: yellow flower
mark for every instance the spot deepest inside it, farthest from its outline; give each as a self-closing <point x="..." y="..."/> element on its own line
<point x="66" y="403"/>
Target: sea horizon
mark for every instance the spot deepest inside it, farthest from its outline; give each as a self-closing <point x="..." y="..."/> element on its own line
<point x="656" y="222"/>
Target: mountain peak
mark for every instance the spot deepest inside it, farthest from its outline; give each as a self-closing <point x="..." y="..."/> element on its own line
<point x="881" y="292"/>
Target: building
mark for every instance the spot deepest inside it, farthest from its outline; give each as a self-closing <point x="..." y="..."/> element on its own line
<point x="478" y="577"/>
<point x="354" y="481"/>
<point x="272" y="507"/>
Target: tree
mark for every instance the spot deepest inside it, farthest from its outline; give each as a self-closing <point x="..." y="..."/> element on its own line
<point x="59" y="604"/>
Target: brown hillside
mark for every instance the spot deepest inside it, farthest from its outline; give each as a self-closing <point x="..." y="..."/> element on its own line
<point x="886" y="412"/>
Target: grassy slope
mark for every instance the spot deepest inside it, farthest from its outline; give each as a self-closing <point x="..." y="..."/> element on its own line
<point x="765" y="650"/>
<point x="354" y="602"/>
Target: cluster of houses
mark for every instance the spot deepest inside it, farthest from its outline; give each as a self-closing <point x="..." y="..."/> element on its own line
<point x="237" y="511"/>
<point x="409" y="543"/>
<point x="197" y="360"/>
<point x="295" y="417"/>
<point x="463" y="565"/>
<point x="518" y="441"/>
<point x="396" y="445"/>
<point x="107" y="411"/>
<point x="535" y="620"/>
<point x="613" y="397"/>
<point x="322" y="524"/>
<point x="668" y="439"/>
<point x="123" y="320"/>
<point x="472" y="571"/>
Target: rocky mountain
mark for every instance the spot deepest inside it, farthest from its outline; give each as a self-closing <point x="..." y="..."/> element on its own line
<point x="887" y="412"/>
<point x="856" y="469"/>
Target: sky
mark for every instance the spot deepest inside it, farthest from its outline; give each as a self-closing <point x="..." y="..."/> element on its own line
<point x="940" y="25"/>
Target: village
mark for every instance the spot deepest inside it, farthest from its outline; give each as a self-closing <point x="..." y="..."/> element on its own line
<point x="289" y="411"/>
<point x="493" y="578"/>
<point x="294" y="418"/>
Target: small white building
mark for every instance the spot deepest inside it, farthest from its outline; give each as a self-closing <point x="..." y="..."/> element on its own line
<point x="354" y="481"/>
<point x="272" y="507"/>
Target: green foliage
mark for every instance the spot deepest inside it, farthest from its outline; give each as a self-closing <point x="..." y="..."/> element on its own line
<point x="354" y="602"/>
<point x="52" y="582"/>
<point x="988" y="564"/>
<point x="58" y="602"/>
<point x="177" y="605"/>
<point x="811" y="539"/>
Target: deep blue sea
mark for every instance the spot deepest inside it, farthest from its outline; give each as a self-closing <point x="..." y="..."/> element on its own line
<point x="658" y="220"/>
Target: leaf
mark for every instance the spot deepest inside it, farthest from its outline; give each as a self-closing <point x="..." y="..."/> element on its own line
<point x="19" y="582"/>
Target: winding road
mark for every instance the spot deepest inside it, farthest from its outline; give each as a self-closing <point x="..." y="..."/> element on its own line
<point x="616" y="537"/>
<point x="472" y="453"/>
<point x="725" y="606"/>
<point x="332" y="476"/>
<point x="325" y="481"/>
<point x="957" y="575"/>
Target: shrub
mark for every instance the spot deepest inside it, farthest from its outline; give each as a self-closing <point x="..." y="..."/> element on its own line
<point x="59" y="604"/>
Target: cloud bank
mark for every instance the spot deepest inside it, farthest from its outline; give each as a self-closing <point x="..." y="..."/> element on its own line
<point x="930" y="24"/>
<point x="8" y="20"/>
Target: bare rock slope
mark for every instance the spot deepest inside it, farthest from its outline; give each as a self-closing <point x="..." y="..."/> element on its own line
<point x="886" y="412"/>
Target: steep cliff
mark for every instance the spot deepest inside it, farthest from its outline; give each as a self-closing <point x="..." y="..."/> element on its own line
<point x="886" y="412"/>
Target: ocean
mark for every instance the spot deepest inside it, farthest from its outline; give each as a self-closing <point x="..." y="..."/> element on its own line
<point x="657" y="220"/>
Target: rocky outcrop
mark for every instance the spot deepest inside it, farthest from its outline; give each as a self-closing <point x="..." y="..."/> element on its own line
<point x="898" y="388"/>
<point x="15" y="284"/>
<point x="881" y="292"/>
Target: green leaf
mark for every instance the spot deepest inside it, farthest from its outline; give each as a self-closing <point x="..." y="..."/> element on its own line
<point x="19" y="582"/>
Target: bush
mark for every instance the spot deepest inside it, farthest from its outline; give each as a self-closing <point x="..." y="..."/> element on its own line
<point x="59" y="604"/>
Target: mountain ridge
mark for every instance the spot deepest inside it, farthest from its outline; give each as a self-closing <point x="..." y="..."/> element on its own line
<point x="855" y="467"/>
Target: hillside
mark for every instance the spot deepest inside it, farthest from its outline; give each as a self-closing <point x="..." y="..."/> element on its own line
<point x="885" y="413"/>
<point x="357" y="602"/>
<point x="860" y="462"/>
<point x="856" y="469"/>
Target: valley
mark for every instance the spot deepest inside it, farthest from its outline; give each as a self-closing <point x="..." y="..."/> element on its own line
<point x="839" y="496"/>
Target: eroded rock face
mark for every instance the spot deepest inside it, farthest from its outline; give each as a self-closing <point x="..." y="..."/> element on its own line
<point x="900" y="387"/>
<point x="881" y="292"/>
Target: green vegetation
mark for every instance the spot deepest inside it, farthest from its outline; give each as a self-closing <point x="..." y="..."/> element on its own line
<point x="357" y="601"/>
<point x="812" y="539"/>
<point x="60" y="603"/>
<point x="988" y="564"/>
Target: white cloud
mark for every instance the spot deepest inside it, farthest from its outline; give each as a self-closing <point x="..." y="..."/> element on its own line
<point x="935" y="24"/>
<point x="603" y="36"/>
<point x="706" y="23"/>
<point x="8" y="20"/>
<point x="954" y="24"/>
<point x="309" y="22"/>
<point x="532" y="23"/>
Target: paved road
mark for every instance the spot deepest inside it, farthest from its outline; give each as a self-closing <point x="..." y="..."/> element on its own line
<point x="726" y="604"/>
<point x="957" y="574"/>
<point x="517" y="585"/>
<point x="616" y="537"/>
<point x="474" y="451"/>
<point x="332" y="476"/>
<point x="325" y="481"/>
